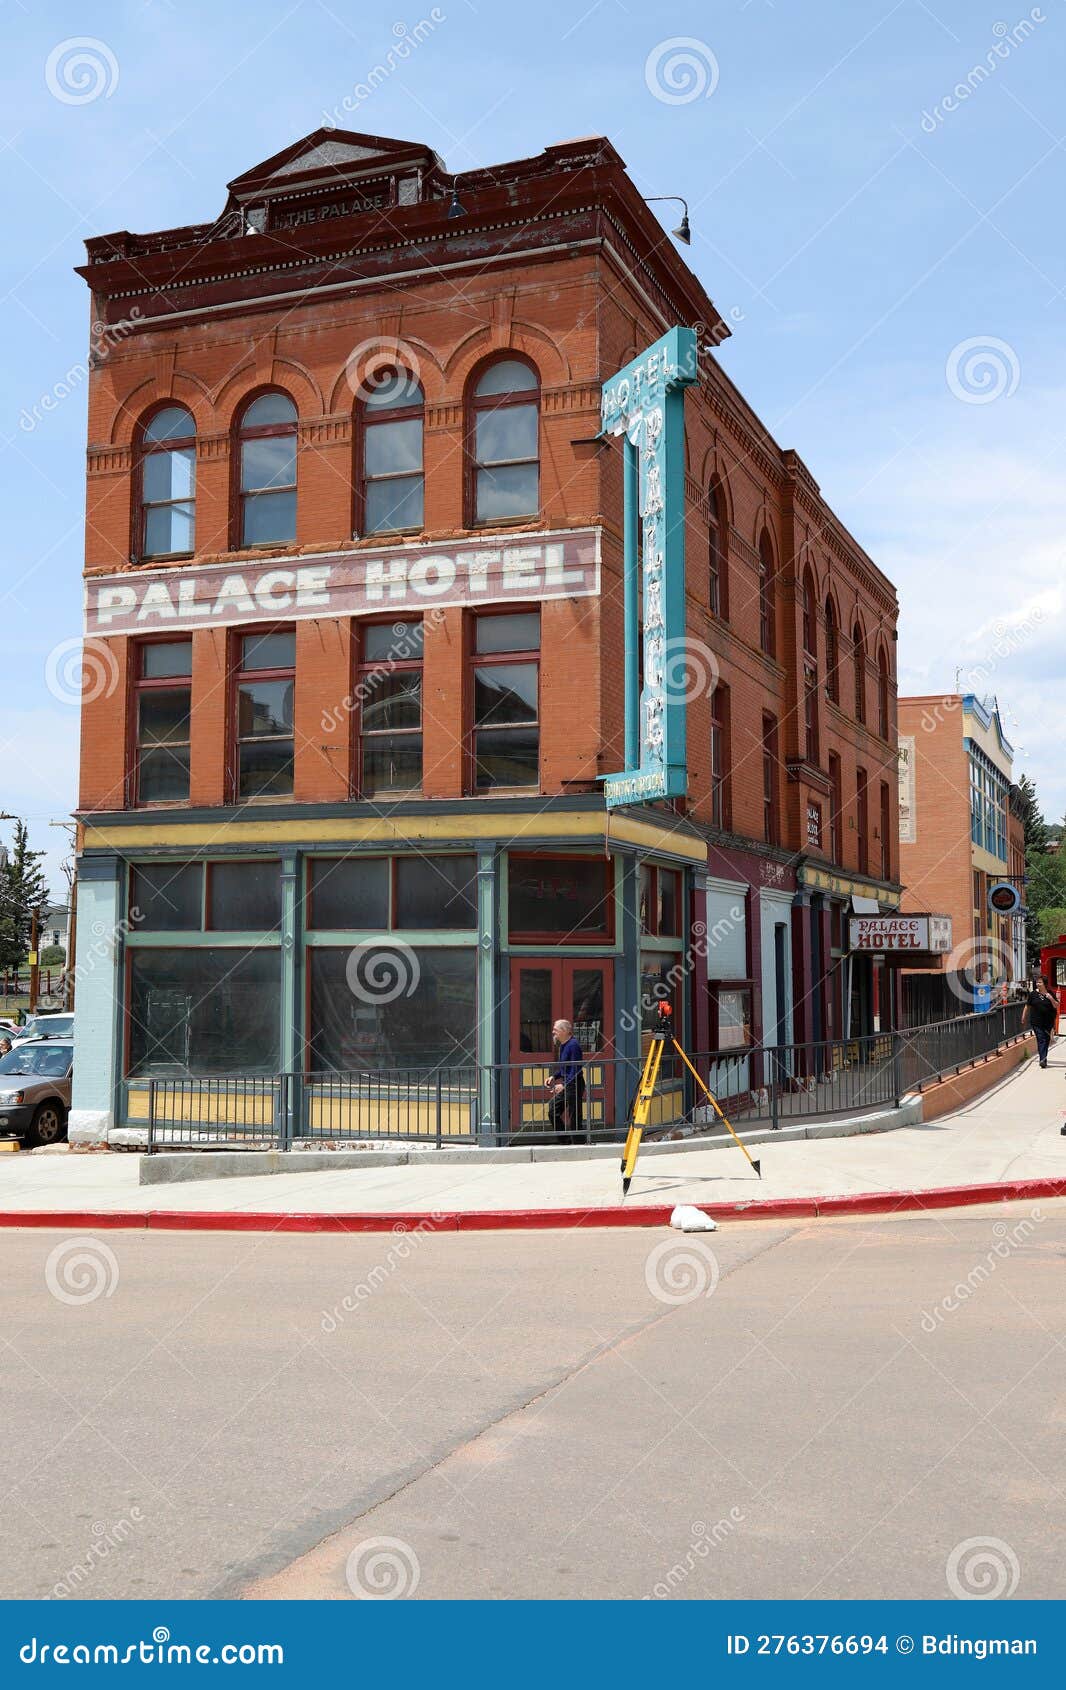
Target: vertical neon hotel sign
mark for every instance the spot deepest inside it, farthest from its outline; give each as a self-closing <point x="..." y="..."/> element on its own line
<point x="645" y="402"/>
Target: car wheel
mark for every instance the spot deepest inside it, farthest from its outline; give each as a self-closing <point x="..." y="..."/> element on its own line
<point x="49" y="1124"/>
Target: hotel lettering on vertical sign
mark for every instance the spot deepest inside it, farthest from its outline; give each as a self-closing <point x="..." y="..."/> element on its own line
<point x="645" y="402"/>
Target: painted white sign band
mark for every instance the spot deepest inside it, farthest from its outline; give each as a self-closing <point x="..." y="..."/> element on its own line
<point x="388" y="580"/>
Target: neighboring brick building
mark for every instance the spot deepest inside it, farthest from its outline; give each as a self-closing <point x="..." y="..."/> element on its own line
<point x="353" y="575"/>
<point x="960" y="836"/>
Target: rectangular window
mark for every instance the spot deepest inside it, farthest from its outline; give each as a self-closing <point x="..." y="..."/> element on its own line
<point x="770" y="806"/>
<point x="434" y="892"/>
<point x="506" y="703"/>
<point x="434" y="1024"/>
<point x="162" y="711"/>
<point x="720" y="757"/>
<point x="669" y="903"/>
<point x="563" y="899"/>
<point x="265" y="682"/>
<point x="244" y="897"/>
<point x="389" y="689"/>
<point x="166" y="897"/>
<point x="204" y="1011"/>
<point x="886" y="832"/>
<point x="836" y="808"/>
<point x="810" y="711"/>
<point x="730" y="1017"/>
<point x="862" y="820"/>
<point x="659" y="977"/>
<point x="349" y="894"/>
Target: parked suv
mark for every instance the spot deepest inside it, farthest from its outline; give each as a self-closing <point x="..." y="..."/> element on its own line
<point x="46" y="1025"/>
<point x="35" y="1090"/>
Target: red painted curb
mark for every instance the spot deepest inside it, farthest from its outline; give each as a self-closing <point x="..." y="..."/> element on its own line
<point x="527" y="1220"/>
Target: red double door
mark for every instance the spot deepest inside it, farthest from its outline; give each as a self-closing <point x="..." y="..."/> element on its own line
<point x="550" y="989"/>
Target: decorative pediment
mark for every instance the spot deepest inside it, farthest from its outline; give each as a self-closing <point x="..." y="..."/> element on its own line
<point x="335" y="155"/>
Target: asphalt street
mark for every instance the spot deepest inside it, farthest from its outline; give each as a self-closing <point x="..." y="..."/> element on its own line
<point x="862" y="1408"/>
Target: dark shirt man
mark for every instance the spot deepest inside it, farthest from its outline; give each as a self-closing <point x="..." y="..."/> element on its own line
<point x="567" y="1084"/>
<point x="1042" y="1014"/>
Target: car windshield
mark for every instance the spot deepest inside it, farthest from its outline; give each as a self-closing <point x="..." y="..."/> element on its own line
<point x="49" y="1060"/>
<point x="40" y="1025"/>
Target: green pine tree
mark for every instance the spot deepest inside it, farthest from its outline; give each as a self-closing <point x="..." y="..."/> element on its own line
<point x="23" y="889"/>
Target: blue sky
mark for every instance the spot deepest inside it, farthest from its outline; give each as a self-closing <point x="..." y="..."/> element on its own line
<point x="893" y="260"/>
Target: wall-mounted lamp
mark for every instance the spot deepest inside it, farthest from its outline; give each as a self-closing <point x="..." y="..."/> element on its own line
<point x="682" y="232"/>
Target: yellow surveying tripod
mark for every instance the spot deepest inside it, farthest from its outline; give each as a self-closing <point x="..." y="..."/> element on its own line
<point x="638" y="1112"/>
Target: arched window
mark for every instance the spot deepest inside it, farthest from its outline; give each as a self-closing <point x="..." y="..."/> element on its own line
<point x="767" y="599"/>
<point x="392" y="472"/>
<point x="858" y="656"/>
<point x="810" y="619"/>
<point x="267" y="471"/>
<point x="167" y="484"/>
<point x="832" y="652"/>
<point x="882" y="693"/>
<point x="718" y="552"/>
<point x="503" y="432"/>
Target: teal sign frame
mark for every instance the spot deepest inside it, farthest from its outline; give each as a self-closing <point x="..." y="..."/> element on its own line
<point x="645" y="403"/>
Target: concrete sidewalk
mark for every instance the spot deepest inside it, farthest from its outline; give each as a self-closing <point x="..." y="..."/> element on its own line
<point x="1011" y="1134"/>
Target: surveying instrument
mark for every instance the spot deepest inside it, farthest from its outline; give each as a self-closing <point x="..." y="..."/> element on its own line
<point x="639" y="1109"/>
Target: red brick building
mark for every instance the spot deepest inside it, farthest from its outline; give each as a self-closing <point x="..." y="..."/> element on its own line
<point x="354" y="597"/>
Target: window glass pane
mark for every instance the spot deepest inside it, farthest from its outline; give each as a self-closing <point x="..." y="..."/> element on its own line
<point x="265" y="768"/>
<point x="163" y="716"/>
<point x="669" y="904"/>
<point x="163" y="776"/>
<point x="586" y="1009"/>
<point x="505" y="692"/>
<point x="507" y="757"/>
<point x="510" y="432"/>
<point x="554" y="897"/>
<point x="393" y="700"/>
<point x="646" y="892"/>
<point x="169" y="475"/>
<point x="269" y="517"/>
<point x="168" y="529"/>
<point x="269" y="651"/>
<point x="175" y="423"/>
<point x="168" y="657"/>
<point x="204" y="1011"/>
<point x="508" y="633"/>
<point x="507" y="492"/>
<point x="656" y="986"/>
<point x="244" y="897"/>
<point x="436" y="892"/>
<point x="269" y="409"/>
<point x="506" y="376"/>
<point x="264" y="707"/>
<point x="391" y="763"/>
<point x="392" y="642"/>
<point x="349" y="894"/>
<point x="434" y="1026"/>
<point x="394" y="447"/>
<point x="269" y="463"/>
<point x="535" y="1010"/>
<point x="165" y="897"/>
<point x="734" y="1017"/>
<point x="394" y="391"/>
<point x="393" y="504"/>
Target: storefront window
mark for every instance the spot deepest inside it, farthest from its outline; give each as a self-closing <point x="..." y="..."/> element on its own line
<point x="562" y="899"/>
<point x="436" y="892"/>
<point x="244" y="897"/>
<point x="166" y="897"/>
<point x="386" y="1008"/>
<point x="349" y="894"/>
<point x="732" y="1005"/>
<point x="204" y="1011"/>
<point x="659" y="977"/>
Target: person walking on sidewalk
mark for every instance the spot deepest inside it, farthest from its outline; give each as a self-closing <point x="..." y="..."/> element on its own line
<point x="1041" y="1012"/>
<point x="567" y="1085"/>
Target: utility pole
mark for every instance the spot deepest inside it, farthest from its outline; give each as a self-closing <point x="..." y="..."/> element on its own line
<point x="72" y="918"/>
<point x="35" y="966"/>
